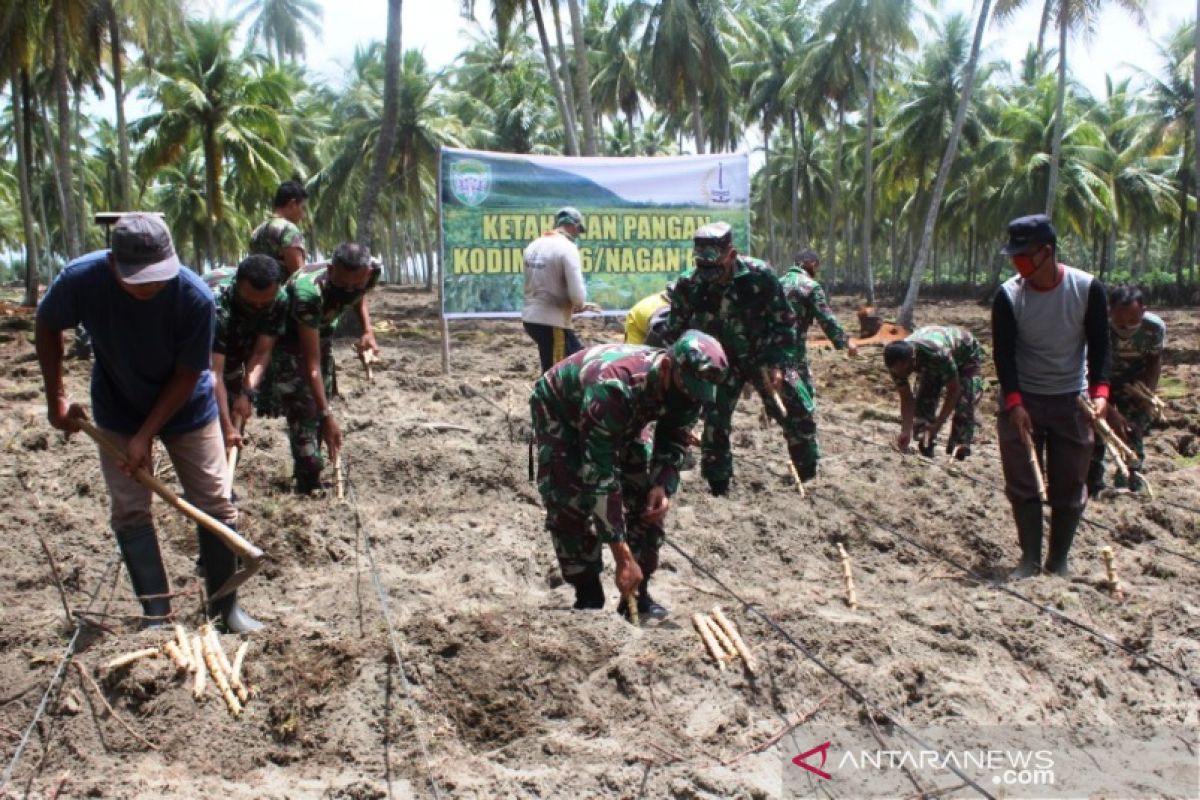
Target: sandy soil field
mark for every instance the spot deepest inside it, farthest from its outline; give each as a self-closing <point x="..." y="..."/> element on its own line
<point x="502" y="690"/>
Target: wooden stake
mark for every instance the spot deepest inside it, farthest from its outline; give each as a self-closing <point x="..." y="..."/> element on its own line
<point x="848" y="577"/>
<point x="740" y="645"/>
<point x="796" y="478"/>
<point x="1031" y="451"/>
<point x="129" y="658"/>
<point x="1110" y="570"/>
<point x="232" y="455"/>
<point x="218" y="673"/>
<point x="201" y="676"/>
<point x="701" y="623"/>
<point x="631" y="604"/>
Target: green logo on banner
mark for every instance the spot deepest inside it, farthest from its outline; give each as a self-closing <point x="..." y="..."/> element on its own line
<point x="471" y="181"/>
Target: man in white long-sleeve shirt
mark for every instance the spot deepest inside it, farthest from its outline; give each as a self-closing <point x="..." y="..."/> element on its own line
<point x="554" y="288"/>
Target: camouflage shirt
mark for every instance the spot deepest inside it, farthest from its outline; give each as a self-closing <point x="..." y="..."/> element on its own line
<point x="945" y="350"/>
<point x="1131" y="355"/>
<point x="316" y="303"/>
<point x="273" y="237"/>
<point x="238" y="326"/>
<point x="750" y="316"/>
<point x="608" y="395"/>
<point x="810" y="302"/>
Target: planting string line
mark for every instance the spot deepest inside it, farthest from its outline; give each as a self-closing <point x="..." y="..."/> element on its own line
<point x="1002" y="588"/>
<point x="385" y="608"/>
<point x="958" y="472"/>
<point x="56" y="680"/>
<point x="850" y="688"/>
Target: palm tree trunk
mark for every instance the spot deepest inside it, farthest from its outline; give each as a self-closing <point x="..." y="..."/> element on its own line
<point x="633" y="144"/>
<point x="1182" y="249"/>
<point x="1056" y="142"/>
<point x="1195" y="142"/>
<point x="835" y="194"/>
<point x="77" y="172"/>
<point x="564" y="64"/>
<point x="387" y="125"/>
<point x="63" y="170"/>
<point x="583" y="81"/>
<point x="939" y="185"/>
<point x="23" y="184"/>
<point x="118" y="83"/>
<point x="697" y="119"/>
<point x="869" y="181"/>
<point x="1042" y="25"/>
<point x="794" y="230"/>
<point x="772" y="254"/>
<point x="555" y="82"/>
<point x="212" y="200"/>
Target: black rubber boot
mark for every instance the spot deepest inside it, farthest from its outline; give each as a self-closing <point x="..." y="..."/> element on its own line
<point x="1063" y="524"/>
<point x="307" y="484"/>
<point x="589" y="592"/>
<point x="1028" y="516"/>
<point x="647" y="606"/>
<point x="718" y="488"/>
<point x="143" y="560"/>
<point x="219" y="565"/>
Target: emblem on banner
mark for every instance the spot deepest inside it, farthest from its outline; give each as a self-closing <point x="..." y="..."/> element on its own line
<point x="716" y="187"/>
<point x="471" y="181"/>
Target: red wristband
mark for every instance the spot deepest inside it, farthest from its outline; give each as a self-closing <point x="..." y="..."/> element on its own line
<point x="1099" y="390"/>
<point x="1012" y="400"/>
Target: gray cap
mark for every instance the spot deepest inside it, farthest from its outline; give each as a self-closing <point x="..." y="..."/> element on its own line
<point x="142" y="249"/>
<point x="569" y="215"/>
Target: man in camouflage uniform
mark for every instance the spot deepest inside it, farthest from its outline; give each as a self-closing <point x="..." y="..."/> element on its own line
<point x="280" y="237"/>
<point x="251" y="311"/>
<point x="589" y="412"/>
<point x="739" y="301"/>
<point x="1138" y="338"/>
<point x="299" y="382"/>
<point x="944" y="356"/>
<point x="809" y="302"/>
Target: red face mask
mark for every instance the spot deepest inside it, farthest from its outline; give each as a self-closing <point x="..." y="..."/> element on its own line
<point x="1025" y="266"/>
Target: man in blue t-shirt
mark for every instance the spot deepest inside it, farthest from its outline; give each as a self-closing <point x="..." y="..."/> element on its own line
<point x="151" y="323"/>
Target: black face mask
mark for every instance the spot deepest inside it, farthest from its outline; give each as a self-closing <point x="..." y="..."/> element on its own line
<point x="245" y="309"/>
<point x="709" y="272"/>
<point x="339" y="296"/>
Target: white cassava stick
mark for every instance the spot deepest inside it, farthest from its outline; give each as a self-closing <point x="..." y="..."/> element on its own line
<point x="848" y="577"/>
<point x="1031" y="451"/>
<point x="201" y="675"/>
<point x="218" y="672"/>
<point x="238" y="659"/>
<point x="702" y="627"/>
<point x="129" y="658"/>
<point x="796" y="479"/>
<point x="234" y="683"/>
<point x="1110" y="571"/>
<point x="338" y="480"/>
<point x="742" y="650"/>
<point x="728" y="650"/>
<point x="185" y="647"/>
<point x="176" y="655"/>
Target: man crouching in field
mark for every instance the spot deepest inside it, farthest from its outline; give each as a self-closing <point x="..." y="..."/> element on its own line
<point x="589" y="413"/>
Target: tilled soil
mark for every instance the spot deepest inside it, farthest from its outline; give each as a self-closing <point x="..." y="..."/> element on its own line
<point x="502" y="690"/>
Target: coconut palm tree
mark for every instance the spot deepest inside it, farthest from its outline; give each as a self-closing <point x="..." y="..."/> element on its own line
<point x="387" y="134"/>
<point x="583" y="80"/>
<point x="224" y="104"/>
<point x="1070" y="16"/>
<point x="17" y="27"/>
<point x="616" y="87"/>
<point x="279" y="25"/>
<point x="684" y="58"/>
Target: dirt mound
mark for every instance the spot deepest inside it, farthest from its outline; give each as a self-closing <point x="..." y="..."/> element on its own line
<point x="509" y="691"/>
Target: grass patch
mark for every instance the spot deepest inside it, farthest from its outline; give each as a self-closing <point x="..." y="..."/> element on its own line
<point x="1187" y="461"/>
<point x="1172" y="388"/>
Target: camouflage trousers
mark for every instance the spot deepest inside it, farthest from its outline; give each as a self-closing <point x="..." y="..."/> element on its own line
<point x="285" y="393"/>
<point x="962" y="424"/>
<point x="1139" y="421"/>
<point x="799" y="427"/>
<point x="569" y="513"/>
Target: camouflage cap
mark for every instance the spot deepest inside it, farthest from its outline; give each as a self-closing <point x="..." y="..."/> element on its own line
<point x="569" y="215"/>
<point x="711" y="241"/>
<point x="702" y="365"/>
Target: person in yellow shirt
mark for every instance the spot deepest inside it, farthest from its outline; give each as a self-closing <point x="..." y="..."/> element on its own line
<point x="639" y="322"/>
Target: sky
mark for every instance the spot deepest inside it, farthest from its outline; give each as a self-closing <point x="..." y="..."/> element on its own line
<point x="436" y="27"/>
